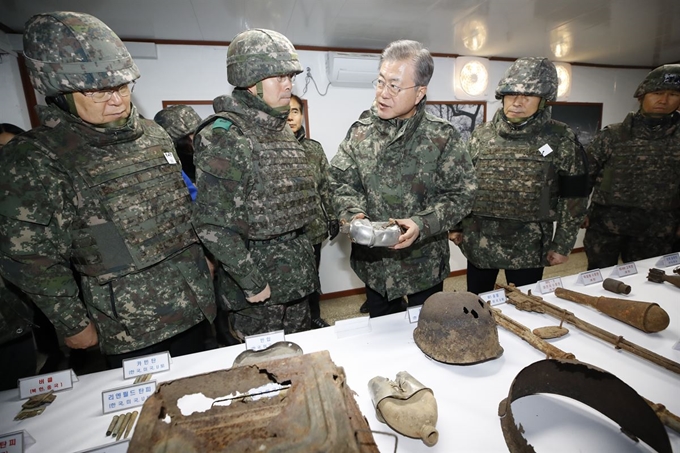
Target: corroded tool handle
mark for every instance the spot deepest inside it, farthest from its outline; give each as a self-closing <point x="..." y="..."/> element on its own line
<point x="527" y="335"/>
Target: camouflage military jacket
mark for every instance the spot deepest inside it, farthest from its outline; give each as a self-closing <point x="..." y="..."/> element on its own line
<point x="416" y="168"/>
<point x="226" y="174"/>
<point x="634" y="167"/>
<point x="43" y="202"/>
<point x="318" y="229"/>
<point x="637" y="164"/>
<point x="498" y="242"/>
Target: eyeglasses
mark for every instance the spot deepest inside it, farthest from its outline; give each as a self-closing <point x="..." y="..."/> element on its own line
<point x="392" y="89"/>
<point x="284" y="77"/>
<point x="105" y="95"/>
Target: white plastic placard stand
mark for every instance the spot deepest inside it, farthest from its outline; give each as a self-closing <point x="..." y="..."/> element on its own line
<point x="264" y="340"/>
<point x="589" y="277"/>
<point x="495" y="297"/>
<point x="672" y="259"/>
<point x="549" y="285"/>
<point x="625" y="269"/>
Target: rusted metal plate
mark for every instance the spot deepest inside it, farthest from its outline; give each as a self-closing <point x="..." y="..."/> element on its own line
<point x="590" y="385"/>
<point x="316" y="412"/>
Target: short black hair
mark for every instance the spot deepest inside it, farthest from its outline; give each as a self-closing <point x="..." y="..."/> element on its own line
<point x="10" y="129"/>
<point x="299" y="101"/>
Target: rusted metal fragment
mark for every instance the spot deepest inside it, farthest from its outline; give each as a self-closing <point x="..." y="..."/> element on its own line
<point x="549" y="332"/>
<point x="278" y="350"/>
<point x="590" y="385"/>
<point x="317" y="412"/>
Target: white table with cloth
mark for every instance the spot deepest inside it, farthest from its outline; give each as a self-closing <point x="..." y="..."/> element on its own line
<point x="467" y="396"/>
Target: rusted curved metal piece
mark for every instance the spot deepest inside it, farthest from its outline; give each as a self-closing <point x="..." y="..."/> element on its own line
<point x="590" y="385"/>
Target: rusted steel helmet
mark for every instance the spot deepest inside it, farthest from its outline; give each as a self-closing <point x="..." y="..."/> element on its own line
<point x="457" y="328"/>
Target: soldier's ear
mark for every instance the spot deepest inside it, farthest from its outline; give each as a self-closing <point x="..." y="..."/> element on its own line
<point x="422" y="91"/>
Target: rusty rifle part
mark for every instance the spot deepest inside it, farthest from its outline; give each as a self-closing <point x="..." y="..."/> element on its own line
<point x="131" y="423"/>
<point x="667" y="417"/>
<point x="116" y="428"/>
<point x="537" y="304"/>
<point x="616" y="286"/>
<point x="112" y="425"/>
<point x="123" y="426"/>
<point x="527" y="335"/>
<point x="646" y="316"/>
<point x="659" y="276"/>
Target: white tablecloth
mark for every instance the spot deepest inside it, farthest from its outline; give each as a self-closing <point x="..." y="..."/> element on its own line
<point x="467" y="396"/>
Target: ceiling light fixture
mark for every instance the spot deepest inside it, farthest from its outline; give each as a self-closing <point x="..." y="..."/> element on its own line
<point x="563" y="80"/>
<point x="471" y="78"/>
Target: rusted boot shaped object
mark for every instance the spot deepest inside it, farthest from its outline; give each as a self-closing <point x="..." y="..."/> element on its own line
<point x="406" y="406"/>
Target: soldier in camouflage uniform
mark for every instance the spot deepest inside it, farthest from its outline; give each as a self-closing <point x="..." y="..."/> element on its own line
<point x="17" y="350"/>
<point x="256" y="191"/>
<point x="99" y="188"/>
<point x="180" y="122"/>
<point x="400" y="162"/>
<point x="325" y="224"/>
<point x="635" y="170"/>
<point x="531" y="173"/>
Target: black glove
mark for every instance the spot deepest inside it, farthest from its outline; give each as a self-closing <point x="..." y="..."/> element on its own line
<point x="333" y="228"/>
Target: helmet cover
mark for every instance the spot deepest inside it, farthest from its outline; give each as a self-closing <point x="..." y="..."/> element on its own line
<point x="530" y="76"/>
<point x="178" y="120"/>
<point x="67" y="52"/>
<point x="258" y="54"/>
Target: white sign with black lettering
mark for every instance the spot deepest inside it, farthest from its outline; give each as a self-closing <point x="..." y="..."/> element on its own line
<point x="148" y="364"/>
<point x="589" y="277"/>
<point x="264" y="340"/>
<point x="495" y="297"/>
<point x="672" y="259"/>
<point x="625" y="269"/>
<point x="414" y="313"/>
<point x="549" y="285"/>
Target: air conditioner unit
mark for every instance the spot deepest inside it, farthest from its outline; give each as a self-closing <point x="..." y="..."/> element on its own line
<point x="352" y="69"/>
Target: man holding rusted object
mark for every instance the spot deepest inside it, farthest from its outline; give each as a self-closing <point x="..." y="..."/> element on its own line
<point x="399" y="162"/>
<point x="634" y="167"/>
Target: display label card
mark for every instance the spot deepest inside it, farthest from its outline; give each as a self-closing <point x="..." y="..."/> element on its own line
<point x="624" y="270"/>
<point x="148" y="364"/>
<point x="495" y="297"/>
<point x="672" y="259"/>
<point x="545" y="150"/>
<point x="590" y="277"/>
<point x="114" y="447"/>
<point x="12" y="443"/>
<point x="127" y="397"/>
<point x="264" y="340"/>
<point x="549" y="285"/>
<point x="353" y="326"/>
<point x="44" y="383"/>
<point x="170" y="158"/>
<point x="413" y="313"/>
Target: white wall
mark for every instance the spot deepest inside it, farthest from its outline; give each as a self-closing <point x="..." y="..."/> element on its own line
<point x="199" y="73"/>
<point x="13" y="108"/>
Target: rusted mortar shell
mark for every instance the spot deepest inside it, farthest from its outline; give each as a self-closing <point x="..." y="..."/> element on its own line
<point x="615" y="286"/>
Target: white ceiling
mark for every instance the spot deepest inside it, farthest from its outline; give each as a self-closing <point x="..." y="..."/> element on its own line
<point x="603" y="32"/>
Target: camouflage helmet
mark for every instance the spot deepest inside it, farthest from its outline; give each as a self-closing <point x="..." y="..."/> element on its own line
<point x="67" y="52"/>
<point x="666" y="77"/>
<point x="257" y="54"/>
<point x="457" y="328"/>
<point x="178" y="120"/>
<point x="530" y="76"/>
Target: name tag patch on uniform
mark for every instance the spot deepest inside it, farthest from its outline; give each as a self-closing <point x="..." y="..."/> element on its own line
<point x="170" y="158"/>
<point x="545" y="150"/>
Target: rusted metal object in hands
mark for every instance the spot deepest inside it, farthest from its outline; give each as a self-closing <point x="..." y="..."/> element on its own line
<point x="310" y="408"/>
<point x="590" y="385"/>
